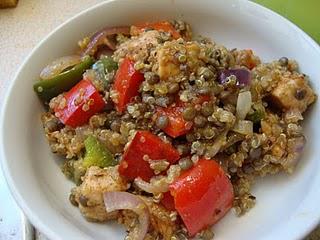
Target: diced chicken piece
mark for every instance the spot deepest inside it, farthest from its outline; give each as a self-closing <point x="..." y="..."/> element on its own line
<point x="161" y="224"/>
<point x="270" y="125"/>
<point x="168" y="64"/>
<point x="89" y="195"/>
<point x="137" y="48"/>
<point x="172" y="54"/>
<point x="293" y="93"/>
<point x="160" y="219"/>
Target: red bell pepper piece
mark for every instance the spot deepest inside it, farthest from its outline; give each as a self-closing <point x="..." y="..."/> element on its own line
<point x="82" y="102"/>
<point x="177" y="126"/>
<point x="144" y="146"/>
<point x="159" y="26"/>
<point x="202" y="195"/>
<point x="127" y="82"/>
<point x="167" y="201"/>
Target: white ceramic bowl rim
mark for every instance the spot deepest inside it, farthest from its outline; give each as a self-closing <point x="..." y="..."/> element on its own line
<point x="39" y="223"/>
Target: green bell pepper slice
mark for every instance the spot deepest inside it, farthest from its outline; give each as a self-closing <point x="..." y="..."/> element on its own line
<point x="97" y="154"/>
<point x="257" y="113"/>
<point x="49" y="88"/>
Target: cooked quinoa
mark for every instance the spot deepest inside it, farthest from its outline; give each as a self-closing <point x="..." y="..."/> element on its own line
<point x="252" y="129"/>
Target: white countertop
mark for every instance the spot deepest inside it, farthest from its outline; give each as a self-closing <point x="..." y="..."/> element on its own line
<point x="21" y="29"/>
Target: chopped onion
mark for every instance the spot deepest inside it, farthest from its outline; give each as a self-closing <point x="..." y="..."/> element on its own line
<point x="58" y="65"/>
<point x="155" y="186"/>
<point x="244" y="103"/>
<point x="243" y="127"/>
<point x="242" y="75"/>
<point x="126" y="201"/>
<point x="218" y="143"/>
<point x="104" y="37"/>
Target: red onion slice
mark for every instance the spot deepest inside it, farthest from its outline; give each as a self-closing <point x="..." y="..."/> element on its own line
<point x="242" y="75"/>
<point x="104" y="37"/>
<point x="127" y="201"/>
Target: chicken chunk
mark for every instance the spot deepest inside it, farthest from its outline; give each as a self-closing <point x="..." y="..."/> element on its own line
<point x="137" y="48"/>
<point x="161" y="224"/>
<point x="160" y="219"/>
<point x="293" y="93"/>
<point x="89" y="195"/>
<point x="172" y="54"/>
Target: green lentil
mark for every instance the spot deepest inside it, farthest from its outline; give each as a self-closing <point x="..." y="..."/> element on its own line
<point x="207" y="109"/>
<point x="182" y="58"/>
<point x="189" y="113"/>
<point x="183" y="149"/>
<point x="300" y="94"/>
<point x="72" y="199"/>
<point x="151" y="77"/>
<point x="205" y="72"/>
<point x="115" y="125"/>
<point x="161" y="89"/>
<point x="208" y="234"/>
<point x="209" y="132"/>
<point x="162" y="121"/>
<point x="284" y="61"/>
<point x="185" y="163"/>
<point x="148" y="99"/>
<point x="164" y="101"/>
<point x="173" y="88"/>
<point x="199" y="82"/>
<point x="255" y="153"/>
<point x="83" y="200"/>
<point x="190" y="137"/>
<point x="200" y="121"/>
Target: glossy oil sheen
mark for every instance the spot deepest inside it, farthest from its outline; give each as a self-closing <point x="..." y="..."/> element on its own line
<point x="287" y="206"/>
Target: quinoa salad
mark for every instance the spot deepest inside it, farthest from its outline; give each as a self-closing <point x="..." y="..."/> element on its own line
<point x="166" y="132"/>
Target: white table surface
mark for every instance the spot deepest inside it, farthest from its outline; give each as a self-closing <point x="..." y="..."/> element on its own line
<point x="21" y="29"/>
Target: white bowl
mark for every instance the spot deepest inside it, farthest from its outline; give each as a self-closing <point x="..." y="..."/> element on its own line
<point x="287" y="206"/>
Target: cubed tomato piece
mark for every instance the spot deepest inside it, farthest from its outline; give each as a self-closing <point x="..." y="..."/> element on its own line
<point x="202" y="195"/>
<point x="159" y="26"/>
<point x="127" y="83"/>
<point x="81" y="103"/>
<point x="145" y="146"/>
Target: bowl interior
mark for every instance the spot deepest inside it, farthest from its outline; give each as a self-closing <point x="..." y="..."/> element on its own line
<point x="286" y="205"/>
